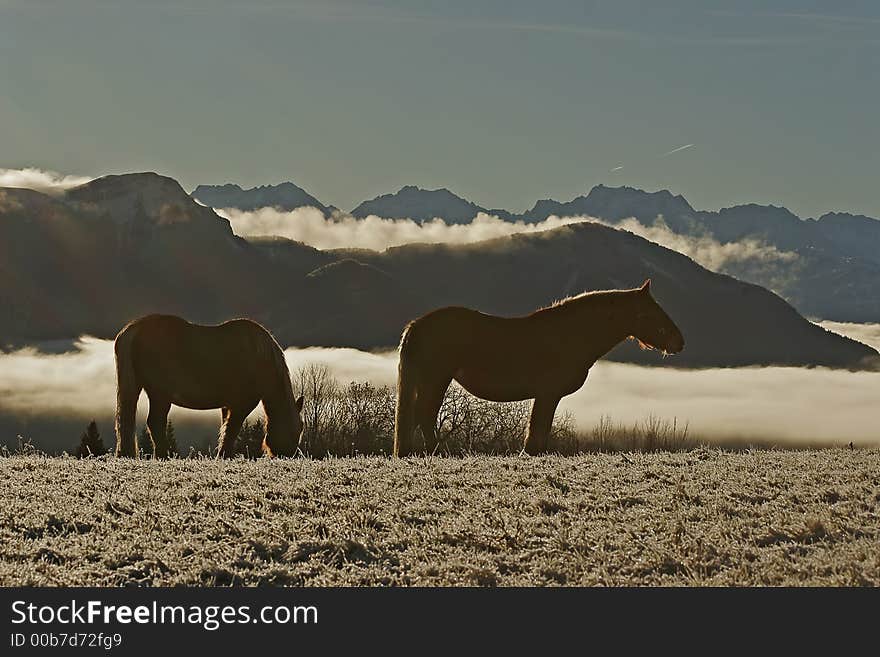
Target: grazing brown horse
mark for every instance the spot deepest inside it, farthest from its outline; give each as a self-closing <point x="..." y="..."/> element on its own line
<point x="232" y="366"/>
<point x="543" y="356"/>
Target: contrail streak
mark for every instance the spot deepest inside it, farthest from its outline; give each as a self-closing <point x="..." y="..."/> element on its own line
<point x="676" y="150"/>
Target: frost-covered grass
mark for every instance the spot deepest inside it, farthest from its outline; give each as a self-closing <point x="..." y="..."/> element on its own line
<point x="703" y="517"/>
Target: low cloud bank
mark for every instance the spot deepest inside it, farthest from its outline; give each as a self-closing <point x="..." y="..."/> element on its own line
<point x="82" y="382"/>
<point x="342" y="230"/>
<point x="706" y="250"/>
<point x="310" y="226"/>
<point x="41" y="180"/>
<point x="793" y="405"/>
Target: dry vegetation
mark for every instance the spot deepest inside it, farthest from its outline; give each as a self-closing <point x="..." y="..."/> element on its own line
<point x="701" y="517"/>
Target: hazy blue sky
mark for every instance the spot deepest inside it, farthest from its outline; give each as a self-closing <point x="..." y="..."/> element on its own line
<point x="502" y="101"/>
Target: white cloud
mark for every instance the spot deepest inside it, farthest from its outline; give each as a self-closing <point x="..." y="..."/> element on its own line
<point x="309" y="225"/>
<point x="48" y="182"/>
<point x="348" y="365"/>
<point x="82" y="382"/>
<point x="706" y="250"/>
<point x="869" y="334"/>
<point x="774" y="403"/>
<point x="784" y="404"/>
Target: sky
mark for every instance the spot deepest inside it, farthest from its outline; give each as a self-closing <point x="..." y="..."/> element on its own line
<point x="503" y="102"/>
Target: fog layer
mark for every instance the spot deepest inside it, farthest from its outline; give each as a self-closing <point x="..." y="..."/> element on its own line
<point x="771" y="403"/>
<point x="310" y="226"/>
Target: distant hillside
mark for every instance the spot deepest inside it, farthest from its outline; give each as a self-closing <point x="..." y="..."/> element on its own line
<point x="124" y="246"/>
<point x="837" y="269"/>
<point x="116" y="248"/>
<point x="834" y="276"/>
<point x="725" y="321"/>
<point x="285" y="196"/>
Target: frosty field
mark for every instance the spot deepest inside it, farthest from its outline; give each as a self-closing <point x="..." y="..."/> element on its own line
<point x="703" y="517"/>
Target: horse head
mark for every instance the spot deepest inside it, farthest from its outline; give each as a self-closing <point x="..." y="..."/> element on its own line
<point x="653" y="328"/>
<point x="282" y="438"/>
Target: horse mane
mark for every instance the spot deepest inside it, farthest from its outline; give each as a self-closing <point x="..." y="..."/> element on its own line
<point x="281" y="369"/>
<point x="596" y="296"/>
<point x="592" y="295"/>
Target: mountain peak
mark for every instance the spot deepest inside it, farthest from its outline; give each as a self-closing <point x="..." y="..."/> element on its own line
<point x="617" y="203"/>
<point x="633" y="194"/>
<point x="285" y="196"/>
<point x="847" y="217"/>
<point x="421" y="205"/>
<point x="120" y="194"/>
<point x="144" y="183"/>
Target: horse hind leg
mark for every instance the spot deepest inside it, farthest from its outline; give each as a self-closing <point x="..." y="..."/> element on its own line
<point x="126" y="413"/>
<point x="427" y="407"/>
<point x="540" y="424"/>
<point x="157" y="424"/>
<point x="128" y="389"/>
<point x="407" y="397"/>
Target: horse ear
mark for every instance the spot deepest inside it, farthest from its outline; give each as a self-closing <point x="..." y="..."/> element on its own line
<point x="299" y="403"/>
<point x="646" y="286"/>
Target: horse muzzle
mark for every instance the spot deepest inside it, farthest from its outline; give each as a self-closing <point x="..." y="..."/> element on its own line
<point x="675" y="347"/>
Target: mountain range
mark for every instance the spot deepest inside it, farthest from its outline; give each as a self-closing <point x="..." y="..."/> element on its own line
<point x="284" y="196"/>
<point x="119" y="247"/>
<point x="832" y="268"/>
<point x="423" y="205"/>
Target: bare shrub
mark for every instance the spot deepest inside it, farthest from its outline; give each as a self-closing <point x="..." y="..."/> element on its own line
<point x="249" y="442"/>
<point x="358" y="419"/>
<point x="652" y="434"/>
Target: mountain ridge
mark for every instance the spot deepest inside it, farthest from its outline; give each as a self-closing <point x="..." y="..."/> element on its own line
<point x="117" y="248"/>
<point x="285" y="196"/>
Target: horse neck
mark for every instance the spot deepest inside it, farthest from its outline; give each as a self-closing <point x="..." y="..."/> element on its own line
<point x="278" y="396"/>
<point x="279" y="413"/>
<point x="602" y="326"/>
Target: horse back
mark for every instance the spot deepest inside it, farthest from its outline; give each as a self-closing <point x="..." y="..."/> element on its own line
<point x="462" y="341"/>
<point x="455" y="332"/>
<point x="170" y="352"/>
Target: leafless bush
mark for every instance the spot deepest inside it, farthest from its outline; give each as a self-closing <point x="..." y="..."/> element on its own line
<point x="23" y="447"/>
<point x="320" y="392"/>
<point x="652" y="434"/>
<point x="359" y="419"/>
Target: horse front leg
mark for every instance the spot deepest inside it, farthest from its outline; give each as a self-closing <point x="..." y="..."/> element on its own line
<point x="157" y="424"/>
<point x="540" y="423"/>
<point x="229" y="430"/>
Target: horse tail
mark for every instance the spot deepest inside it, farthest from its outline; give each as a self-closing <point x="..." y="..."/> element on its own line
<point x="127" y="392"/>
<point x="407" y="389"/>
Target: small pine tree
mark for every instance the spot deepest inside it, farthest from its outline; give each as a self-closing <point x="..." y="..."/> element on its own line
<point x="172" y="440"/>
<point x="90" y="442"/>
<point x="145" y="443"/>
<point x="249" y="442"/>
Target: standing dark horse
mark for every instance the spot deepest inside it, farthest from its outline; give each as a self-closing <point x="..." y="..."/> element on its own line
<point x="543" y="356"/>
<point x="232" y="366"/>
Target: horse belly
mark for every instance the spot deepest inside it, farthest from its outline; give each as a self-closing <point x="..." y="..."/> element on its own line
<point x="191" y="387"/>
<point x="494" y="387"/>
